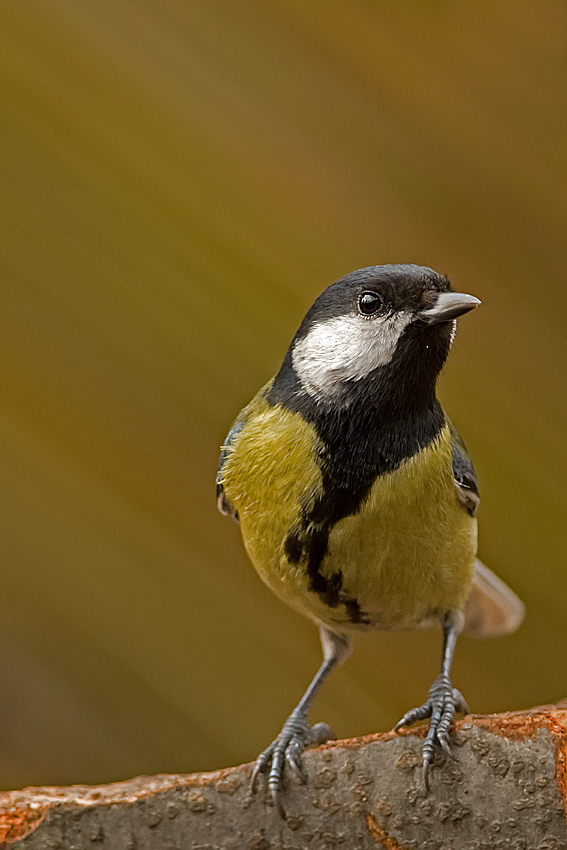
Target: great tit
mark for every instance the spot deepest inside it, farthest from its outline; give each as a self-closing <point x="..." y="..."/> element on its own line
<point x="355" y="495"/>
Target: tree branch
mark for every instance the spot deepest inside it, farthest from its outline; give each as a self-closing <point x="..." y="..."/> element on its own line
<point x="507" y="789"/>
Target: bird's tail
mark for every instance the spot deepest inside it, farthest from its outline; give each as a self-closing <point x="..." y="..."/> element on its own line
<point x="492" y="609"/>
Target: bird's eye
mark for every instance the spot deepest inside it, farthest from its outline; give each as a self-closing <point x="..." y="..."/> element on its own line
<point x="369" y="303"/>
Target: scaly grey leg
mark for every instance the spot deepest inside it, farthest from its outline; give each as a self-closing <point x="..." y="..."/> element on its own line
<point x="443" y="700"/>
<point x="297" y="734"/>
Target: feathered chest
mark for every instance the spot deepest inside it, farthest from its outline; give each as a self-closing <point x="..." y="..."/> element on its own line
<point x="321" y="534"/>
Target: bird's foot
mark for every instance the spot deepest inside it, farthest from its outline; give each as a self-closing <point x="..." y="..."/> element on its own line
<point x="287" y="748"/>
<point x="443" y="702"/>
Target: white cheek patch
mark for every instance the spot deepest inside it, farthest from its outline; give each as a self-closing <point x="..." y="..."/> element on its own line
<point x="346" y="348"/>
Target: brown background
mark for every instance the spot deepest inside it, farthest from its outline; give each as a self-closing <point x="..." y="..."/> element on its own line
<point x="179" y="180"/>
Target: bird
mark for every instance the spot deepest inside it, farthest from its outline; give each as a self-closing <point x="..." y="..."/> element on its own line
<point x="356" y="497"/>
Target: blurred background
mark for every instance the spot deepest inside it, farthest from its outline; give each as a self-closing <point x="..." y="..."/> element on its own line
<point x="179" y="181"/>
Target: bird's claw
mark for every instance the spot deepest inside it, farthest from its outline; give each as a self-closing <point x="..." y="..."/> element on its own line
<point x="287" y="748"/>
<point x="443" y="702"/>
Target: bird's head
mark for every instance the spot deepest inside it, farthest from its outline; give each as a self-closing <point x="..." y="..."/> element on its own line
<point x="394" y="322"/>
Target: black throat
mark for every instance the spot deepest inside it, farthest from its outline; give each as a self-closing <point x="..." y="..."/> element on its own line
<point x="367" y="428"/>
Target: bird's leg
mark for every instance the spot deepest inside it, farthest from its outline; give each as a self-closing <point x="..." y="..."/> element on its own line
<point x="443" y="700"/>
<point x="297" y="734"/>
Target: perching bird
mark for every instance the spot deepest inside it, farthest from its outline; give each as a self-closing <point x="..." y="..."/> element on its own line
<point x="355" y="494"/>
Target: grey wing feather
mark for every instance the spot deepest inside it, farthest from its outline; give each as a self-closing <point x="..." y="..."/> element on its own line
<point x="464" y="474"/>
<point x="492" y="608"/>
<point x="223" y="504"/>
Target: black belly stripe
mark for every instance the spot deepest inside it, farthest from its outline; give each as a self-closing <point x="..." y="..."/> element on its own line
<point x="328" y="588"/>
<point x="309" y="544"/>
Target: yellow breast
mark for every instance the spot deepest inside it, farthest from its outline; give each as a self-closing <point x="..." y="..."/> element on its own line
<point x="406" y="555"/>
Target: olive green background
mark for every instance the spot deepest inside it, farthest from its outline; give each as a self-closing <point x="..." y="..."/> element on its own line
<point x="180" y="178"/>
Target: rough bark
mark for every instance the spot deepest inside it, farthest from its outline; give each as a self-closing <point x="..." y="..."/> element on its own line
<point x="507" y="789"/>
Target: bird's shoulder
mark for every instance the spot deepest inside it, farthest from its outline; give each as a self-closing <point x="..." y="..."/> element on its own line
<point x="253" y="407"/>
<point x="464" y="473"/>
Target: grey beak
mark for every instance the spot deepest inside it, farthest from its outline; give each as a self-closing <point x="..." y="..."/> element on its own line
<point x="449" y="305"/>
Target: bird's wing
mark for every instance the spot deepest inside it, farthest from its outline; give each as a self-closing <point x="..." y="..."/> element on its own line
<point x="223" y="504"/>
<point x="492" y="609"/>
<point x="225" y="507"/>
<point x="463" y="473"/>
